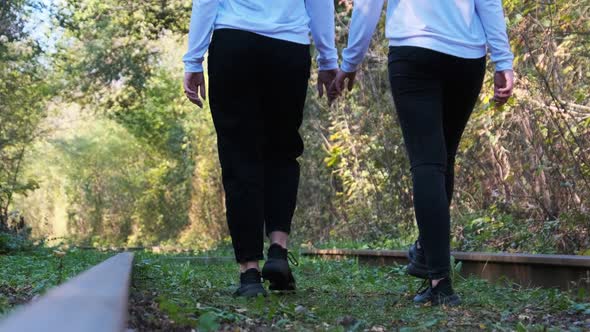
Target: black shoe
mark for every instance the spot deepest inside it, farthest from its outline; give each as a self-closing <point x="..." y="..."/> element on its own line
<point x="442" y="294"/>
<point x="417" y="265"/>
<point x="250" y="284"/>
<point x="277" y="270"/>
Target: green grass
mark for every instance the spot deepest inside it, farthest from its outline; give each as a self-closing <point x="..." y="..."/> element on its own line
<point x="172" y="294"/>
<point x="341" y="296"/>
<point x="26" y="274"/>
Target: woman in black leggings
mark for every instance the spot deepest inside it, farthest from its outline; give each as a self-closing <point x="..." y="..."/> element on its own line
<point x="436" y="69"/>
<point x="259" y="67"/>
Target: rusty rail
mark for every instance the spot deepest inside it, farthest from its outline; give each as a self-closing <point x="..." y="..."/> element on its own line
<point x="94" y="301"/>
<point x="562" y="271"/>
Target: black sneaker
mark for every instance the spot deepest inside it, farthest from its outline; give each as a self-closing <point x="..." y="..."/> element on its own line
<point x="250" y="284"/>
<point x="417" y="265"/>
<point x="277" y="271"/>
<point x="442" y="294"/>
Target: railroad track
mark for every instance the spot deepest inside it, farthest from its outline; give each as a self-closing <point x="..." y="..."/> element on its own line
<point x="94" y="301"/>
<point x="561" y="271"/>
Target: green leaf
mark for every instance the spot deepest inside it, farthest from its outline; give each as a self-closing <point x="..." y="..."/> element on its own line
<point x="208" y="322"/>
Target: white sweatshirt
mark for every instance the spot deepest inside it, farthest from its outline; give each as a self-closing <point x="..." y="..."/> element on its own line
<point x="290" y="20"/>
<point x="460" y="28"/>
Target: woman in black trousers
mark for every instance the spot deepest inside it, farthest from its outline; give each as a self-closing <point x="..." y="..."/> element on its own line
<point x="259" y="67"/>
<point x="436" y="69"/>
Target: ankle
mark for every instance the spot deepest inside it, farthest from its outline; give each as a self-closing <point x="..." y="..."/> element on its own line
<point x="279" y="238"/>
<point x="249" y="265"/>
<point x="280" y="244"/>
<point x="435" y="282"/>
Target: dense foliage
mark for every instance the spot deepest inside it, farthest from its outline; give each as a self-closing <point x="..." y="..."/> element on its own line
<point x="23" y="96"/>
<point x="523" y="171"/>
<point x="98" y="143"/>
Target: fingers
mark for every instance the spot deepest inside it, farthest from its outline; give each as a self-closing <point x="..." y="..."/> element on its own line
<point x="332" y="93"/>
<point x="188" y="87"/>
<point x="327" y="89"/>
<point x="203" y="91"/>
<point x="194" y="98"/>
<point x="504" y="83"/>
<point x="350" y="82"/>
<point x="500" y="100"/>
<point x="506" y="90"/>
<point x="341" y="77"/>
<point x="191" y="93"/>
<point x="194" y="84"/>
<point x="503" y="86"/>
<point x="338" y="82"/>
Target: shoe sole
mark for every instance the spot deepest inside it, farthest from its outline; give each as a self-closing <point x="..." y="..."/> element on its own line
<point x="449" y="301"/>
<point x="253" y="290"/>
<point x="452" y="302"/>
<point x="279" y="275"/>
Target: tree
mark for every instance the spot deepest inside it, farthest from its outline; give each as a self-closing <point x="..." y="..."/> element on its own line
<point x="24" y="92"/>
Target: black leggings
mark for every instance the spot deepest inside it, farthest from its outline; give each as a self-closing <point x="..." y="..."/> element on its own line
<point x="257" y="92"/>
<point x="434" y="95"/>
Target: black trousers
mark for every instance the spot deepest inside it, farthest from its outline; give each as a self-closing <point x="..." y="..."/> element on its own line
<point x="258" y="87"/>
<point x="434" y="95"/>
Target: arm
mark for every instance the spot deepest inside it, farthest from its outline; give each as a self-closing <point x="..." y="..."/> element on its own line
<point x="365" y="16"/>
<point x="321" y="13"/>
<point x="323" y="31"/>
<point x="199" y="37"/>
<point x="491" y="14"/>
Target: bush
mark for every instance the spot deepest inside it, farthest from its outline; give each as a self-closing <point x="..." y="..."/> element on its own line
<point x="10" y="243"/>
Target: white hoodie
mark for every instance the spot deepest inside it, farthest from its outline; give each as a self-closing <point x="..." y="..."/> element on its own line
<point x="460" y="28"/>
<point x="290" y="20"/>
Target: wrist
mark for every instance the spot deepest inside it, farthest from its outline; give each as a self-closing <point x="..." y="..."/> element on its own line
<point x="191" y="67"/>
<point x="504" y="66"/>
<point x="327" y="64"/>
<point x="348" y="67"/>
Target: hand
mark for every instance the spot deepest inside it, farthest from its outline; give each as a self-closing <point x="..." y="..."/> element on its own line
<point x="194" y="82"/>
<point x="503" y="84"/>
<point x="325" y="79"/>
<point x="338" y="84"/>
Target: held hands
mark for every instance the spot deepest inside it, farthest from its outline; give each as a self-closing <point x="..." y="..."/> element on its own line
<point x="325" y="79"/>
<point x="337" y="86"/>
<point x="194" y="84"/>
